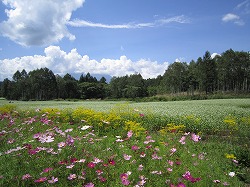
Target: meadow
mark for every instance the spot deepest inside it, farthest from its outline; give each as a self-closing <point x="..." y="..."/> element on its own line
<point x="114" y="143"/>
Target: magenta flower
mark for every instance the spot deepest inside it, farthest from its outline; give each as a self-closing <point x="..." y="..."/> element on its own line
<point x="190" y="178"/>
<point x="124" y="176"/>
<point x="42" y="179"/>
<point x="134" y="147"/>
<point x="111" y="162"/>
<point x="91" y="165"/>
<point x="181" y="185"/>
<point x="47" y="170"/>
<point x="125" y="182"/>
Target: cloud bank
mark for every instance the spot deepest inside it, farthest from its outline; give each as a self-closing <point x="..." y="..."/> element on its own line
<point x="38" y="22"/>
<point x="61" y="62"/>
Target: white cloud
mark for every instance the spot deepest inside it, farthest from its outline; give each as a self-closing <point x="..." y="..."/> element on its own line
<point x="38" y="22"/>
<point x="61" y="62"/>
<point x="244" y="6"/>
<point x="156" y="23"/>
<point x="214" y="55"/>
<point x="233" y="18"/>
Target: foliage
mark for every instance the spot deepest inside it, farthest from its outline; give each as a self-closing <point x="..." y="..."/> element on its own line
<point x="201" y="79"/>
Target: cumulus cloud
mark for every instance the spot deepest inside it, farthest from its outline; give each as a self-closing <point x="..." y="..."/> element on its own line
<point x="233" y="18"/>
<point x="159" y="22"/>
<point x="61" y="62"/>
<point x="214" y="55"/>
<point x="38" y="22"/>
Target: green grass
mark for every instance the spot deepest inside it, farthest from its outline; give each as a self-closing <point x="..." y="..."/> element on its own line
<point x="223" y="126"/>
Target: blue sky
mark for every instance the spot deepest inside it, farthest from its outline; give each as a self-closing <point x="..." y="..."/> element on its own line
<point x="117" y="37"/>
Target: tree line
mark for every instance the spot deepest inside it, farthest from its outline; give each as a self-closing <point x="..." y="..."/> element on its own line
<point x="228" y="72"/>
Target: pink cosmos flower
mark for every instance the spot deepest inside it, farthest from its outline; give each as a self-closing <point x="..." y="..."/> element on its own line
<point x="130" y="134"/>
<point x="42" y="179"/>
<point x="89" y="185"/>
<point x="134" y="147"/>
<point x="140" y="167"/>
<point x="127" y="157"/>
<point x="182" y="140"/>
<point x="195" y="137"/>
<point x="189" y="177"/>
<point x="72" y="176"/>
<point x="53" y="180"/>
<point x="47" y="170"/>
<point x="26" y="176"/>
<point x="173" y="150"/>
<point x="124" y="176"/>
<point x="61" y="144"/>
<point x="125" y="182"/>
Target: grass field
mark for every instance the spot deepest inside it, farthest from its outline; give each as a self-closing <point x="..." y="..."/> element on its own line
<point x="107" y="143"/>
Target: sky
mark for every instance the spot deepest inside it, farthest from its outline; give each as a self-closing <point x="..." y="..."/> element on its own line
<point x="117" y="37"/>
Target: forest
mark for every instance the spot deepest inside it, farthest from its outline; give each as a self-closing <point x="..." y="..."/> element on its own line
<point x="228" y="72"/>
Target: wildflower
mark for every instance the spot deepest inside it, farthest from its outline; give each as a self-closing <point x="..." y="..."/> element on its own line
<point x="46" y="170"/>
<point x="125" y="182"/>
<point x="97" y="160"/>
<point x="85" y="127"/>
<point x="61" y="144"/>
<point x="119" y="140"/>
<point x="134" y="147"/>
<point x="142" y="155"/>
<point x="216" y="181"/>
<point x="124" y="176"/>
<point x="111" y="162"/>
<point x="73" y="160"/>
<point x="81" y="160"/>
<point x="189" y="177"/>
<point x="130" y="134"/>
<point x="230" y="156"/>
<point x="70" y="166"/>
<point x="173" y="150"/>
<point x="140" y="167"/>
<point x="171" y="163"/>
<point x="231" y="174"/>
<point x="42" y="179"/>
<point x="53" y="180"/>
<point x="72" y="176"/>
<point x="102" y="179"/>
<point x="156" y="157"/>
<point x="170" y="169"/>
<point x="69" y="140"/>
<point x="181" y="185"/>
<point x="182" y="140"/>
<point x="46" y="139"/>
<point x="142" y="115"/>
<point x="68" y="130"/>
<point x="91" y="165"/>
<point x="89" y="185"/>
<point x="99" y="172"/>
<point x="225" y="184"/>
<point x="127" y="157"/>
<point x="195" y="137"/>
<point x="26" y="176"/>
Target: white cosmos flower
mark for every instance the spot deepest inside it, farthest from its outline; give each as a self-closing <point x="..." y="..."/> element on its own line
<point x="231" y="174"/>
<point x="85" y="127"/>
